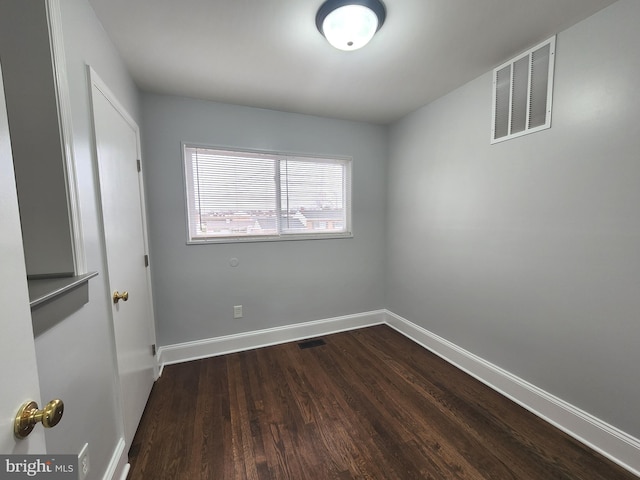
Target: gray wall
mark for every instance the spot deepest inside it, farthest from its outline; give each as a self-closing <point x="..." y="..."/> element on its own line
<point x="278" y="283"/>
<point x="527" y="253"/>
<point x="76" y="358"/>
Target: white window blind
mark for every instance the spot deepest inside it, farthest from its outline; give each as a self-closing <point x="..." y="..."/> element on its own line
<point x="245" y="195"/>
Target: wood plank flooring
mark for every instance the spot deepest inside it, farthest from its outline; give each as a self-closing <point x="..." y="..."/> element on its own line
<point x="370" y="404"/>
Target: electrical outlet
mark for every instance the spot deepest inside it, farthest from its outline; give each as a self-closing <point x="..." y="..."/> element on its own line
<point x="237" y="311"/>
<point x="83" y="462"/>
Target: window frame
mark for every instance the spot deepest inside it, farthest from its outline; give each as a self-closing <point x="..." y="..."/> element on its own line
<point x="347" y="161"/>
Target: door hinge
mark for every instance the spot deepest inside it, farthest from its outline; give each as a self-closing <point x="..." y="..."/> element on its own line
<point x="146" y="260"/>
<point x="139" y="165"/>
<point x="153" y="349"/>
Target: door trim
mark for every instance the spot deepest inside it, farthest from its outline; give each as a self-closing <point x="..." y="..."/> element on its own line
<point x="59" y="63"/>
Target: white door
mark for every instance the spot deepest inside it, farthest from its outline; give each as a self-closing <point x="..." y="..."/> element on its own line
<point x="117" y="146"/>
<point x="18" y="368"/>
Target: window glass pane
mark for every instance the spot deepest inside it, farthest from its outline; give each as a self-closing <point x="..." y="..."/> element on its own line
<point x="231" y="195"/>
<point x="312" y="195"/>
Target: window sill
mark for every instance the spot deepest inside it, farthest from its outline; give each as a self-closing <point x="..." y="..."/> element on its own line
<point x="265" y="238"/>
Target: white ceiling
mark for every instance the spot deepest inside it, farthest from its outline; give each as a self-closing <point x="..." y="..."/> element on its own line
<point x="269" y="54"/>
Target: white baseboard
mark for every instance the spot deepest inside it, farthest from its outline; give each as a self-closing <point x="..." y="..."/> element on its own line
<point x="606" y="439"/>
<point x="118" y="458"/>
<point x="212" y="347"/>
<point x="125" y="472"/>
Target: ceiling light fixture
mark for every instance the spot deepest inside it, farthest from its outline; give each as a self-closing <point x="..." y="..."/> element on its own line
<point x="350" y="24"/>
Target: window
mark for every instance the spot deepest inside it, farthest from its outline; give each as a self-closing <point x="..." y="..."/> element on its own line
<point x="522" y="93"/>
<point x="250" y="196"/>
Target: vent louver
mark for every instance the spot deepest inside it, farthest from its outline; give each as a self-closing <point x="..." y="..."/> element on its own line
<point x="522" y="93"/>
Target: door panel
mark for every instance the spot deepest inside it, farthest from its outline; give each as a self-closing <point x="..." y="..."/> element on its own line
<point x="18" y="368"/>
<point x="117" y="146"/>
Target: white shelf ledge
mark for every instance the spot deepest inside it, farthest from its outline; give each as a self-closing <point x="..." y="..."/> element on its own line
<point x="54" y="299"/>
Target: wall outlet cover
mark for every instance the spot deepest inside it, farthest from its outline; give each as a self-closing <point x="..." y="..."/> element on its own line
<point x="83" y="462"/>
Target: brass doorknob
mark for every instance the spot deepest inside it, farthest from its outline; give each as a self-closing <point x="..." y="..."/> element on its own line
<point x="29" y="415"/>
<point x="117" y="296"/>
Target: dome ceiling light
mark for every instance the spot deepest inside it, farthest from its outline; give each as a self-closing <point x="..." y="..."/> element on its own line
<point x="350" y="24"/>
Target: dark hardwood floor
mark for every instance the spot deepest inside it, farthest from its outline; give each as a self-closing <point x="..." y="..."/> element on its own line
<point x="370" y="404"/>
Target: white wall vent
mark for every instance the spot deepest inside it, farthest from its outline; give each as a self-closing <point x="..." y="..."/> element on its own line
<point x="522" y="93"/>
